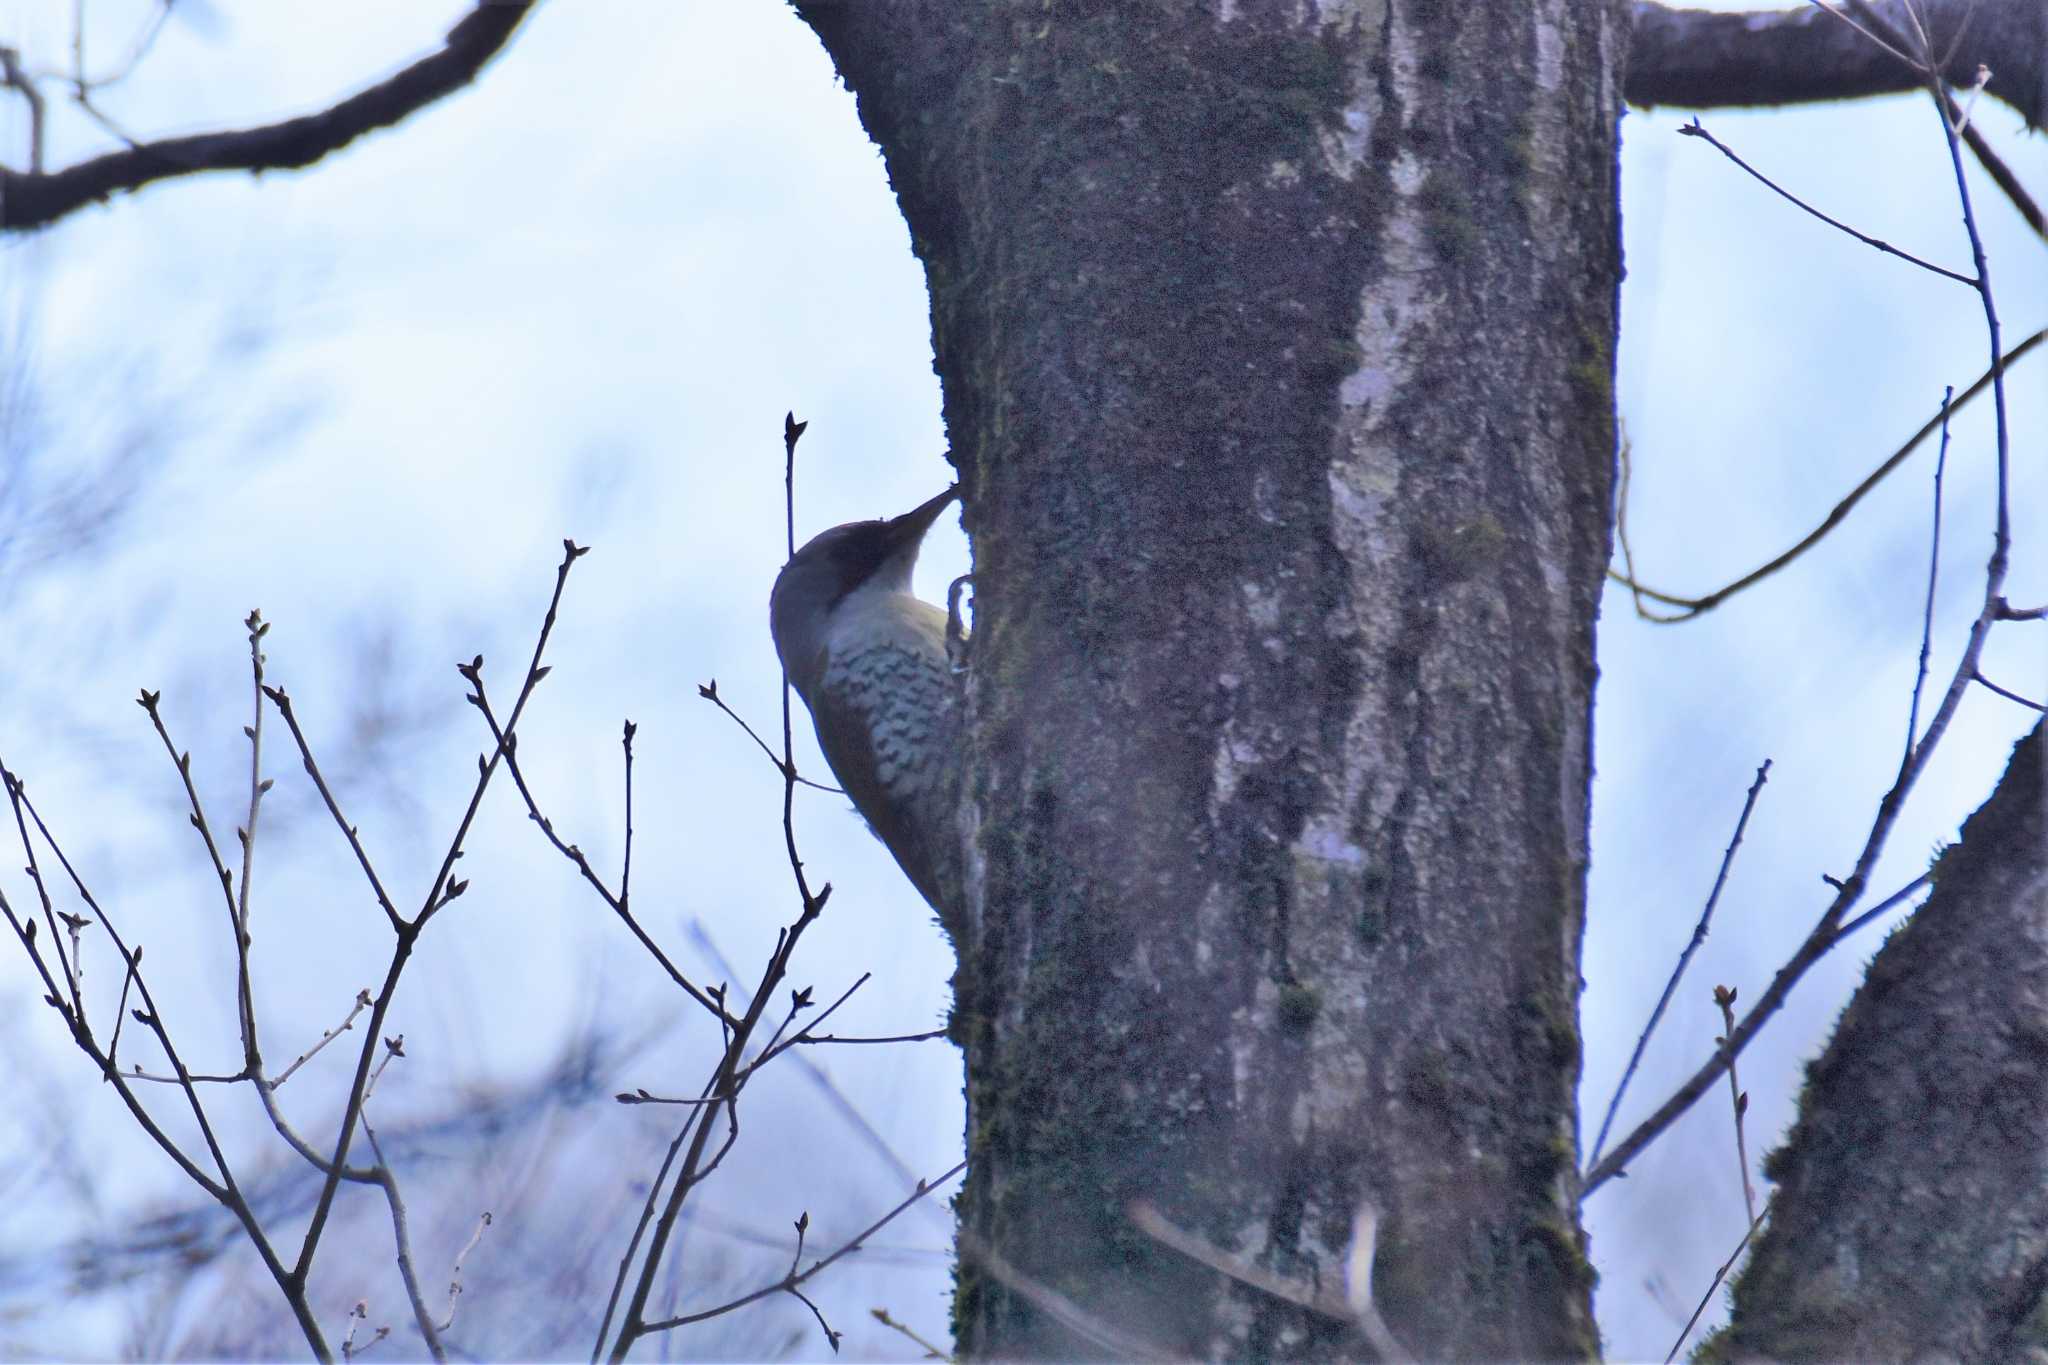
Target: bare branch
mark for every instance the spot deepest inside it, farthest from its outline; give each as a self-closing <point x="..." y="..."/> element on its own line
<point x="510" y="749"/>
<point x="1090" y="1327"/>
<point x="795" y="1278"/>
<point x="150" y="702"/>
<point x="401" y="1236"/>
<point x="1738" y="1100"/>
<point x="1689" y="607"/>
<point x="1933" y="577"/>
<point x="1708" y="1297"/>
<point x="931" y="1352"/>
<point x="362" y="1003"/>
<point x="245" y="999"/>
<point x="709" y="692"/>
<point x="224" y="1189"/>
<point x="34" y="198"/>
<point x="14" y="78"/>
<point x="1699" y="936"/>
<point x="1986" y="683"/>
<point x="455" y="1272"/>
<point x="1694" y="129"/>
<point x="1701" y="59"/>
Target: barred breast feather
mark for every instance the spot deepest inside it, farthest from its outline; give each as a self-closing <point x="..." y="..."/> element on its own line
<point x="886" y="717"/>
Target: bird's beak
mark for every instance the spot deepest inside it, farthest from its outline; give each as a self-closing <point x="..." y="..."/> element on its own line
<point x="912" y="525"/>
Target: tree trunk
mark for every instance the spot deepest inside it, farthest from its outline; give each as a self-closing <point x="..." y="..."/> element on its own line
<point x="1911" y="1217"/>
<point x="1276" y="351"/>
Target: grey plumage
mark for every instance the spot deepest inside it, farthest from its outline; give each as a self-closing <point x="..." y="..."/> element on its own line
<point x="869" y="660"/>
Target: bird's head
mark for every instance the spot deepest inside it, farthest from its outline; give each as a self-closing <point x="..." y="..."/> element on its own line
<point x="860" y="556"/>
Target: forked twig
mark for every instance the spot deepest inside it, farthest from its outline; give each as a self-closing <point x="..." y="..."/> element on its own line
<point x="794" y="1278"/>
<point x="1699" y="936"/>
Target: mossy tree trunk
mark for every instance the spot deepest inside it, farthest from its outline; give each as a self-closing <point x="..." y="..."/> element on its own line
<point x="1276" y="343"/>
<point x="1911" y="1215"/>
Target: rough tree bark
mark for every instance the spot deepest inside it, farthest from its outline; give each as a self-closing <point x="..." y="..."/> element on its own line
<point x="1276" y="347"/>
<point x="1911" y="1217"/>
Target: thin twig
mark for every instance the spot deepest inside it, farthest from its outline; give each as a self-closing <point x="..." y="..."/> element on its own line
<point x="136" y="1073"/>
<point x="1708" y="1297"/>
<point x="799" y="1001"/>
<point x="1933" y="576"/>
<point x="24" y="927"/>
<point x="1689" y="607"/>
<point x="1979" y="678"/>
<point x="12" y="75"/>
<point x="245" y="998"/>
<point x="182" y="759"/>
<point x="283" y="702"/>
<point x="1149" y="1220"/>
<point x="362" y="1003"/>
<point x="792" y="432"/>
<point x="1699" y="936"/>
<point x="1355" y="1305"/>
<point x="225" y="1189"/>
<point x="931" y="1352"/>
<point x="121" y="1010"/>
<point x="1867" y="33"/>
<point x="796" y="1278"/>
<point x="82" y="84"/>
<point x="929" y="1035"/>
<point x="817" y="1075"/>
<point x="401" y="1236"/>
<point x="358" y="1314"/>
<point x="1110" y="1337"/>
<point x="641" y="1226"/>
<point x="510" y="749"/>
<point x="1695" y="129"/>
<point x="1885" y="906"/>
<point x="2001" y="426"/>
<point x="641" y="1095"/>
<point x="74" y="1013"/>
<point x="626" y="863"/>
<point x="1738" y="1099"/>
<point x="709" y="692"/>
<point x="455" y="1273"/>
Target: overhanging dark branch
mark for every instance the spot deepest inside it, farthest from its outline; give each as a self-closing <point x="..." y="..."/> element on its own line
<point x="1705" y="60"/>
<point x="30" y="200"/>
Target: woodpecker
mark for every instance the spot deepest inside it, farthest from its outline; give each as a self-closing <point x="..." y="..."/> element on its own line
<point x="869" y="660"/>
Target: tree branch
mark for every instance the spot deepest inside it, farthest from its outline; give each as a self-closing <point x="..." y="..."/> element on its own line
<point x="31" y="199"/>
<point x="1707" y="60"/>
